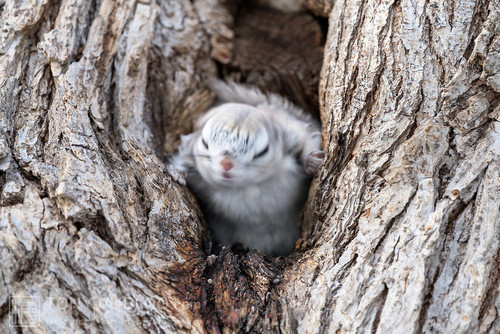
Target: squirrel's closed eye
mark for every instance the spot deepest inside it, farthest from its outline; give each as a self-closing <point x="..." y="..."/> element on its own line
<point x="204" y="143"/>
<point x="261" y="153"/>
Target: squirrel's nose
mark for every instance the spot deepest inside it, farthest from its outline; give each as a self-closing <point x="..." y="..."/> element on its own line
<point x="226" y="163"/>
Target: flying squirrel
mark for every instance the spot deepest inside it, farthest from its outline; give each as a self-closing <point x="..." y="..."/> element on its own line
<point x="249" y="162"/>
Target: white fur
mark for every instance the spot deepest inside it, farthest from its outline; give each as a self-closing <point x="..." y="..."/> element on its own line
<point x="272" y="146"/>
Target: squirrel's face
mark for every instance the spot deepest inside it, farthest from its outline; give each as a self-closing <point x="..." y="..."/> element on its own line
<point x="236" y="147"/>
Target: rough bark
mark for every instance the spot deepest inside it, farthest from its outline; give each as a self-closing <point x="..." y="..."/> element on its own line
<point x="402" y="227"/>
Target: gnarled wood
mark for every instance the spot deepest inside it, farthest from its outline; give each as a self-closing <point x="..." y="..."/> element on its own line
<point x="402" y="228"/>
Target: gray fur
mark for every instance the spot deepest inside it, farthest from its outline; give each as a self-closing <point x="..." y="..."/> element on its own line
<point x="272" y="147"/>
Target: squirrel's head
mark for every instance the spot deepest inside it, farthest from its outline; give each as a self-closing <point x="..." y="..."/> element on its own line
<point x="237" y="146"/>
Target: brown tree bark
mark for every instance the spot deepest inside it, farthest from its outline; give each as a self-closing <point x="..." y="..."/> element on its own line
<point x="402" y="227"/>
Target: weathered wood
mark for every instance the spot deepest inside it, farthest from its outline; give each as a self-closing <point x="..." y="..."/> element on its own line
<point x="402" y="227"/>
<point x="96" y="217"/>
<point x="403" y="230"/>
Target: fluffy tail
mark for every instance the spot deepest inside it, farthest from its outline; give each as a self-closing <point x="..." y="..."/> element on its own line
<point x="239" y="93"/>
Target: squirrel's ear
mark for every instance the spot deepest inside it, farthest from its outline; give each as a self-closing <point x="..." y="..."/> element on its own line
<point x="186" y="138"/>
<point x="186" y="142"/>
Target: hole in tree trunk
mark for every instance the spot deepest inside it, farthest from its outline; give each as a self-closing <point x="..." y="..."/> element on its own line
<point x="277" y="52"/>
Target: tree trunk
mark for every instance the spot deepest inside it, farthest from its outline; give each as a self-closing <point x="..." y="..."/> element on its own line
<point x="402" y="227"/>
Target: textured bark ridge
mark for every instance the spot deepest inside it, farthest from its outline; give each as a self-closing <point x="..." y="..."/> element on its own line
<point x="402" y="227"/>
